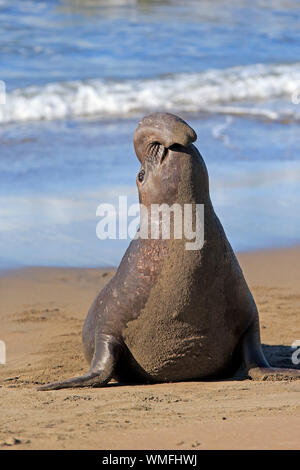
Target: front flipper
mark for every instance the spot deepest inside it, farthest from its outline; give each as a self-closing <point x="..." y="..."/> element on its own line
<point x="255" y="362"/>
<point x="102" y="367"/>
<point x="273" y="373"/>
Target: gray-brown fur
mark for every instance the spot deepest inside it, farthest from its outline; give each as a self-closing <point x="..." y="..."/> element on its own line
<point x="170" y="314"/>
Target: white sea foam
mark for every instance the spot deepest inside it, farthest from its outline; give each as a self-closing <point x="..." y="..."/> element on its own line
<point x="216" y="91"/>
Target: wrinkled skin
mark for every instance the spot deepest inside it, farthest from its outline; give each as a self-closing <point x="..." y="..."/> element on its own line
<point x="171" y="314"/>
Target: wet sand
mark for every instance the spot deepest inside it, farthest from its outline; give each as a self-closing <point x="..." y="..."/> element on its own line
<point x="42" y="311"/>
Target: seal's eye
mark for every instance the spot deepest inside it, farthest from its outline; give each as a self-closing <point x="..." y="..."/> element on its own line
<point x="141" y="175"/>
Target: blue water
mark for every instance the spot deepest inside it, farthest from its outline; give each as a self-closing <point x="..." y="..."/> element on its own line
<point x="80" y="74"/>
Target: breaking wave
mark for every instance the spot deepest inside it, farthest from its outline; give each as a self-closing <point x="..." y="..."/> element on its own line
<point x="243" y="90"/>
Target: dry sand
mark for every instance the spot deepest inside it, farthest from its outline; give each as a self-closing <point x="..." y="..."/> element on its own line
<point x="42" y="311"/>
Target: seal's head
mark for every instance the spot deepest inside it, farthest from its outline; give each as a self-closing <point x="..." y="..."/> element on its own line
<point x="172" y="170"/>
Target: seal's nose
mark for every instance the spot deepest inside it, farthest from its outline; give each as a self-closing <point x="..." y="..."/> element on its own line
<point x="163" y="128"/>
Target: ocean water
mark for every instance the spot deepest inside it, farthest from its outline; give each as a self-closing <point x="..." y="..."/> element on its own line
<point x="78" y="77"/>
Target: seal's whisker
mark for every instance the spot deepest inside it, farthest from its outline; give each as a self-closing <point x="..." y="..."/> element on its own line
<point x="153" y="152"/>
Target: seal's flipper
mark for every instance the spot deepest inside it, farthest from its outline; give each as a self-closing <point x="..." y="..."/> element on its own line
<point x="91" y="379"/>
<point x="273" y="373"/>
<point x="101" y="370"/>
<point x="256" y="364"/>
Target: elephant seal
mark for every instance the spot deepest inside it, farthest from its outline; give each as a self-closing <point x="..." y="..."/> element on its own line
<point x="172" y="314"/>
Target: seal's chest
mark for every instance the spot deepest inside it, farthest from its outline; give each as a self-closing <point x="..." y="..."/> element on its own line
<point x="170" y="349"/>
<point x="180" y="334"/>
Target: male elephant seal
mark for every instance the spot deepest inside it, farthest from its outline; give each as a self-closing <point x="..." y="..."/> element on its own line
<point x="172" y="314"/>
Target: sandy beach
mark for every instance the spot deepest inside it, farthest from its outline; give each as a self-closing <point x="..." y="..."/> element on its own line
<point x="42" y="311"/>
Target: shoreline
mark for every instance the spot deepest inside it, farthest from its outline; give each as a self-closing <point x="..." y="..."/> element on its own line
<point x="263" y="250"/>
<point x="42" y="311"/>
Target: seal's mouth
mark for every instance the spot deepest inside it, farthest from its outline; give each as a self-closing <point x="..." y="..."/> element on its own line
<point x="164" y="154"/>
<point x="158" y="153"/>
